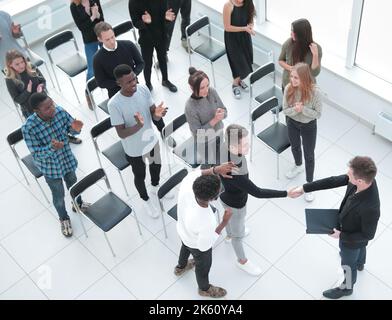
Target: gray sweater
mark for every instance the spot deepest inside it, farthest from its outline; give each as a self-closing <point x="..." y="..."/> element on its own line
<point x="200" y="111"/>
<point x="311" y="110"/>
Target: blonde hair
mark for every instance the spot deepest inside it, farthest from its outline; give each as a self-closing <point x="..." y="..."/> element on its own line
<point x="10" y="72"/>
<point x="306" y="85"/>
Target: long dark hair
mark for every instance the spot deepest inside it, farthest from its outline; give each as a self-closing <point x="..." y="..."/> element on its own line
<point x="195" y="79"/>
<point x="248" y="4"/>
<point x="303" y="38"/>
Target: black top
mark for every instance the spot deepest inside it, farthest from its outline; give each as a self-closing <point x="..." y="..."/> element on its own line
<point x="358" y="212"/>
<point x="18" y="88"/>
<point x="105" y="61"/>
<point x="155" y="31"/>
<point x="83" y="21"/>
<point x="237" y="189"/>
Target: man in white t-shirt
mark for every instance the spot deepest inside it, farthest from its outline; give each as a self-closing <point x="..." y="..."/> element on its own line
<point x="197" y="225"/>
<point x="131" y="112"/>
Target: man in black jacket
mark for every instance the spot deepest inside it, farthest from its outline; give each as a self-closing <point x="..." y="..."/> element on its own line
<point x="358" y="217"/>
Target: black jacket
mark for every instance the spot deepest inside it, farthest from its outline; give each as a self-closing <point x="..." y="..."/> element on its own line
<point x="358" y="212"/>
<point x="83" y="21"/>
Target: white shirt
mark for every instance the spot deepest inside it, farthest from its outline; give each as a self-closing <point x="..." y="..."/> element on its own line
<point x="195" y="225"/>
<point x="108" y="49"/>
<point x="122" y="110"/>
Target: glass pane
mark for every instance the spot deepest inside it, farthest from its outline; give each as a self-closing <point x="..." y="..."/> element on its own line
<point x="375" y="44"/>
<point x="330" y="20"/>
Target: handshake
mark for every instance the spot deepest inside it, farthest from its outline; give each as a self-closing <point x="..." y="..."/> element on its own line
<point x="295" y="192"/>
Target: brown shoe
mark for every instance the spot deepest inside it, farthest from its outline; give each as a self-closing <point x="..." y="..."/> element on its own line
<point x="213" y="292"/>
<point x="180" y="271"/>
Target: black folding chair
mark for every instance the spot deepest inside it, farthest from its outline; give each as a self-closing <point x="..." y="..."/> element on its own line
<point x="107" y="211"/>
<point x="91" y="87"/>
<point x="275" y="137"/>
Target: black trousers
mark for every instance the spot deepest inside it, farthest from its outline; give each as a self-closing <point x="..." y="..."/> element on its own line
<point x="147" y="48"/>
<point x="308" y="133"/>
<point x="351" y="259"/>
<point x="203" y="262"/>
<point x="139" y="170"/>
<point x="183" y="6"/>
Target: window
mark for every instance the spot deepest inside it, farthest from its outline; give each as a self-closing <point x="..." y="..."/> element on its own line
<point x="330" y="20"/>
<point x="375" y="44"/>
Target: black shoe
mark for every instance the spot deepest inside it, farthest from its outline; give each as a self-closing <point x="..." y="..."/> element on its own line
<point x="169" y="85"/>
<point x="74" y="140"/>
<point x="337" y="293"/>
<point x="361" y="267"/>
<point x="149" y="86"/>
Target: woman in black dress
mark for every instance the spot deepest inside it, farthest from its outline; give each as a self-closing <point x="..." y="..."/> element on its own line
<point x="238" y="18"/>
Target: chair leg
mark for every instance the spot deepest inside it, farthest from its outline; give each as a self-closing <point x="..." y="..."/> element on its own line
<point x="42" y="190"/>
<point x="277" y="166"/>
<point x="163" y="218"/>
<point x="73" y="87"/>
<point x="50" y="76"/>
<point x="123" y="183"/>
<point x="80" y="217"/>
<point x="57" y="80"/>
<point x="213" y="73"/>
<point x="110" y="246"/>
<point x="137" y="221"/>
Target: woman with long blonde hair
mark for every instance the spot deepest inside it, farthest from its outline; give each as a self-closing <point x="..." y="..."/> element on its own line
<point x="22" y="80"/>
<point x="302" y="104"/>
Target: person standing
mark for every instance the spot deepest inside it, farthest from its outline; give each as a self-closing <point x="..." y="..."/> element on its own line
<point x="238" y="20"/>
<point x="236" y="191"/>
<point x="300" y="47"/>
<point x="131" y="112"/>
<point x="302" y="105"/>
<point x="184" y="7"/>
<point x="359" y="213"/>
<point x="46" y="135"/>
<point x="86" y="14"/>
<point x="197" y="225"/>
<point x="149" y="17"/>
<point x="9" y="32"/>
<point x="204" y="112"/>
<point x="22" y="81"/>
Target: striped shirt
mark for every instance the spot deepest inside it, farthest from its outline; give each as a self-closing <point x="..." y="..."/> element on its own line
<point x="38" y="135"/>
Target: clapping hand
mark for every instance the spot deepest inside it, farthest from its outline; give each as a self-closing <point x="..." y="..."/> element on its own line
<point x="249" y="29"/>
<point x="40" y="88"/>
<point x="160" y="110"/>
<point x="169" y="15"/>
<point x="77" y="125"/>
<point x="226" y="169"/>
<point x="94" y="11"/>
<point x="146" y="17"/>
<point x="298" y="106"/>
<point x="220" y="114"/>
<point x="56" y="145"/>
<point x="335" y="234"/>
<point x="295" y="192"/>
<point x="139" y="119"/>
<point x="29" y="86"/>
<point x="16" y="30"/>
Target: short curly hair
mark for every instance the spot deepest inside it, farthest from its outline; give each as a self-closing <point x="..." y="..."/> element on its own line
<point x="206" y="187"/>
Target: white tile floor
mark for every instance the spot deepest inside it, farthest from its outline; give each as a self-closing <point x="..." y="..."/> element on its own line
<point x="36" y="262"/>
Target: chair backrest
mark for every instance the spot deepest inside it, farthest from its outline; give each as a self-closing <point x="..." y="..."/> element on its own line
<point x="92" y="84"/>
<point x="264" y="108"/>
<point x="261" y="72"/>
<point x="87" y="182"/>
<point x="122" y="27"/>
<point x="197" y="25"/>
<point x="173" y="126"/>
<point x="101" y="127"/>
<point x="58" y="39"/>
<point x="15" y="137"/>
<point x="171" y="183"/>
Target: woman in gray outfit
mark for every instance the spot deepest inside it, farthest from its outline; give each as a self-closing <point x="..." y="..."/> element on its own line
<point x="204" y="112"/>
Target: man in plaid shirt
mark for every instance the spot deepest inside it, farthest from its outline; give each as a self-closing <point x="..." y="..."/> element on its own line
<point x="46" y="135"/>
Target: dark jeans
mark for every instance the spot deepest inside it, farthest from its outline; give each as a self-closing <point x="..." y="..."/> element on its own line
<point x="57" y="188"/>
<point x="203" y="262"/>
<point x="351" y="259"/>
<point x="90" y="49"/>
<point x="308" y="133"/>
<point x="147" y="52"/>
<point x="184" y="6"/>
<point x="139" y="170"/>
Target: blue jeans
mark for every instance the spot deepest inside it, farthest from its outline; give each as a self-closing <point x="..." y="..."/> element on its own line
<point x="57" y="188"/>
<point x="90" y="49"/>
<point x="351" y="259"/>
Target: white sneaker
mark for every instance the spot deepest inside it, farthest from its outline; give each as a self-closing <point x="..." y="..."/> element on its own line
<point x="154" y="191"/>
<point x="250" y="268"/>
<point x="309" y="197"/>
<point x="247" y="232"/>
<point x="151" y="209"/>
<point x="294" y="171"/>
